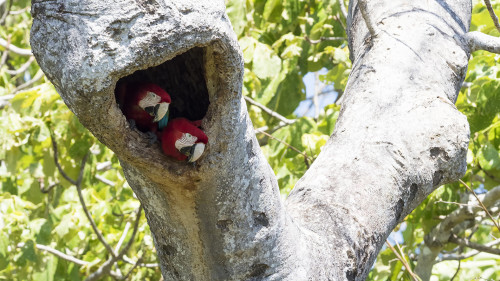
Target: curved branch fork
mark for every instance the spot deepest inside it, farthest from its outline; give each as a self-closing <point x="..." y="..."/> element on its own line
<point x="398" y="137"/>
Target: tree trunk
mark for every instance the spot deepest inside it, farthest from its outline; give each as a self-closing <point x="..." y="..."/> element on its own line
<point x="398" y="137"/>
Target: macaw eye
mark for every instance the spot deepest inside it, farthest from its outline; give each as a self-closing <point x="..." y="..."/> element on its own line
<point x="188" y="135"/>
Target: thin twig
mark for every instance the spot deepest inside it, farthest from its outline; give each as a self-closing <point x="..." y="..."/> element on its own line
<point x="56" y="160"/>
<point x="307" y="158"/>
<point x="456" y="272"/>
<point x="468" y="254"/>
<point x="105" y="268"/>
<point x="48" y="189"/>
<point x="343" y="10"/>
<point x="275" y="128"/>
<point x="5" y="100"/>
<point x="134" y="232"/>
<point x="321" y="39"/>
<point x="269" y="111"/>
<point x="401" y="258"/>
<point x="61" y="255"/>
<point x="104" y="166"/>
<point x="6" y="12"/>
<point x="148" y="265"/>
<point x="17" y="12"/>
<point x="363" y="8"/>
<point x="39" y="74"/>
<point x="337" y="18"/>
<point x="122" y="238"/>
<point x="87" y="213"/>
<point x="77" y="184"/>
<point x="5" y="53"/>
<point x="139" y="260"/>
<point x="492" y="14"/>
<point x="455" y="203"/>
<point x="23" y="67"/>
<point x="315" y="97"/>
<point x="15" y="49"/>
<point x="476" y="246"/>
<point x="105" y="180"/>
<point x="481" y="203"/>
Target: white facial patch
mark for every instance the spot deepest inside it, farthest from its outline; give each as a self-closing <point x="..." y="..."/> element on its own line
<point x="151" y="99"/>
<point x="198" y="151"/>
<point x="187" y="140"/>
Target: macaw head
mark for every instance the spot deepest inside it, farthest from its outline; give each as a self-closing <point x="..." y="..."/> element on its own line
<point x="156" y="102"/>
<point x="189" y="146"/>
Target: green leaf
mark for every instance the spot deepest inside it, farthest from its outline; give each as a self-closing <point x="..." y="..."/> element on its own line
<point x="272" y="10"/>
<point x="488" y="157"/>
<point x="247" y="45"/>
<point x="288" y="94"/>
<point x="23" y="100"/>
<point x="4" y="243"/>
<point x="48" y="271"/>
<point x="236" y="10"/>
<point x="266" y="63"/>
<point x="28" y="253"/>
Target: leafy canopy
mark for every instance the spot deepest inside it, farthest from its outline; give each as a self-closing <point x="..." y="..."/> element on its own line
<point x="282" y="42"/>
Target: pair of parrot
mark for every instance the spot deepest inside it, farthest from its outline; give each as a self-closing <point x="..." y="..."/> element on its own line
<point x="147" y="106"/>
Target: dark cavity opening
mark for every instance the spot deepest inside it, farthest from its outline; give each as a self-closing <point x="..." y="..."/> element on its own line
<point x="184" y="80"/>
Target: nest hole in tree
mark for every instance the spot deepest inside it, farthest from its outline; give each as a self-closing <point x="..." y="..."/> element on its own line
<point x="183" y="77"/>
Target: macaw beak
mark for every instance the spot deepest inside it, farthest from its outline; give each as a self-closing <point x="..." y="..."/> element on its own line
<point x="161" y="110"/>
<point x="158" y="111"/>
<point x="193" y="152"/>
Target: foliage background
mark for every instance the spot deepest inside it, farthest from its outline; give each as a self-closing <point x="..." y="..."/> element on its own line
<point x="282" y="42"/>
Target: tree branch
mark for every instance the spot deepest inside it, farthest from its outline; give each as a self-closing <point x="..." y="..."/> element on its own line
<point x="476" y="246"/>
<point x="269" y="111"/>
<point x="467" y="255"/>
<point x="77" y="184"/>
<point x="317" y="90"/>
<point x="321" y="39"/>
<point x="400" y="257"/>
<point x="132" y="269"/>
<point x="439" y="236"/>
<point x="5" y="53"/>
<point x="481" y="203"/>
<point x="369" y="24"/>
<point x="262" y="129"/>
<point x="122" y="238"/>
<point x="480" y="41"/>
<point x="14" y="49"/>
<point x="49" y="188"/>
<point x="105" y="180"/>
<point x="105" y="268"/>
<point x="456" y="272"/>
<point x="61" y="255"/>
<point x="148" y="265"/>
<point x="37" y="77"/>
<point x="343" y="10"/>
<point x="492" y="14"/>
<point x="6" y="12"/>
<point x="23" y="67"/>
<point x="306" y="157"/>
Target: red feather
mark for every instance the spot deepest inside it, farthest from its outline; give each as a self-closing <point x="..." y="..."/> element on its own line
<point x="174" y="131"/>
<point x="129" y="95"/>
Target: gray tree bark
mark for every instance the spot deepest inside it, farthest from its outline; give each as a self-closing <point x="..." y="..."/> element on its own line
<point x="398" y="137"/>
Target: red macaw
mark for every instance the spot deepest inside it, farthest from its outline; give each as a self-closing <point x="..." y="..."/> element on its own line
<point x="182" y="139"/>
<point x="145" y="104"/>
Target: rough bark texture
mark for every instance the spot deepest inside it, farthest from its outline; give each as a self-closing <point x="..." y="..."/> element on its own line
<point x="398" y="137"/>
